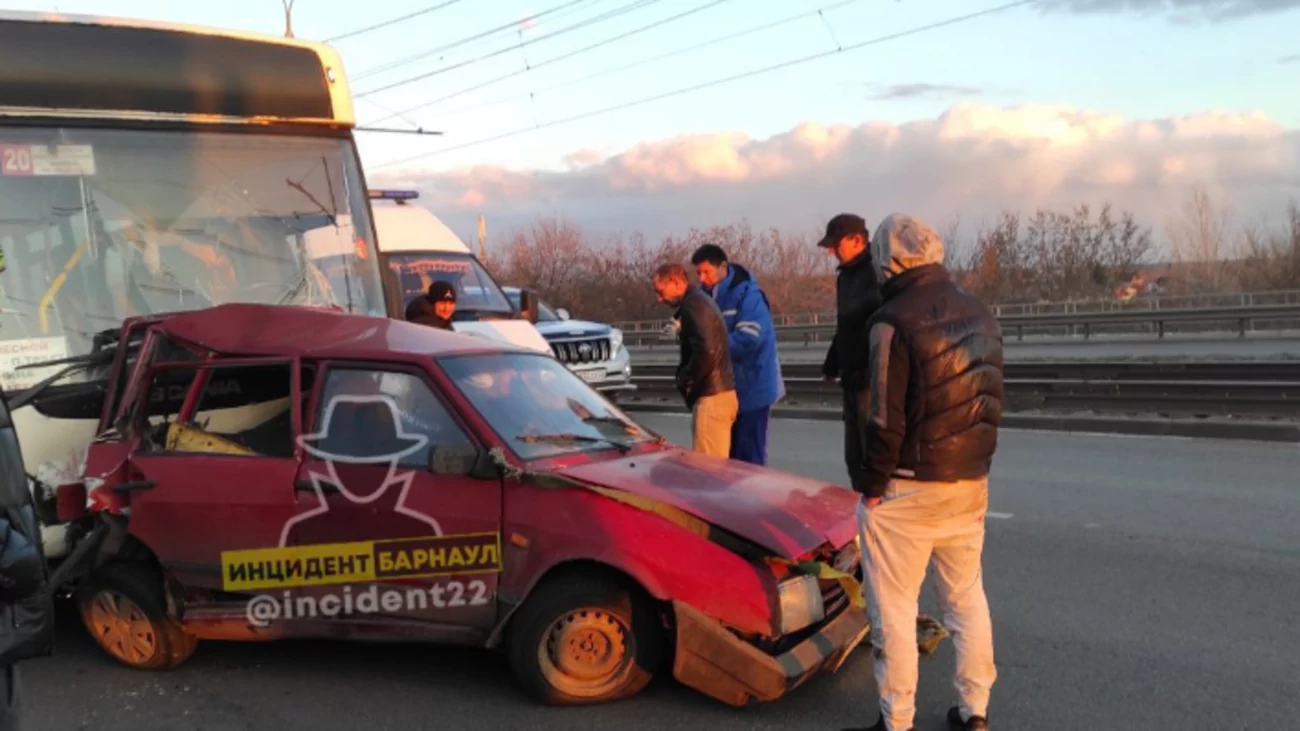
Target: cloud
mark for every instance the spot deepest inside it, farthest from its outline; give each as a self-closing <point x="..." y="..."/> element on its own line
<point x="975" y="159"/>
<point x="1214" y="11"/>
<point x="890" y="92"/>
<point x="1293" y="58"/>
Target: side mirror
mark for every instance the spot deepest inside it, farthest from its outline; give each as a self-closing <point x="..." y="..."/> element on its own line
<point x="528" y="305"/>
<point x="461" y="460"/>
<point x="450" y="460"/>
<point x="562" y="313"/>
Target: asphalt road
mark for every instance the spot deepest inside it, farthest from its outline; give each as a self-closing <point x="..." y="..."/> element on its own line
<point x="1214" y="346"/>
<point x="1136" y="583"/>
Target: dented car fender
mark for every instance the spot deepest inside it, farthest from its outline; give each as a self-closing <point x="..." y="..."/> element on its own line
<point x="547" y="529"/>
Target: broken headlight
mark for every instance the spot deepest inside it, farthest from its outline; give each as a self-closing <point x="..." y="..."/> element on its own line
<point x="801" y="603"/>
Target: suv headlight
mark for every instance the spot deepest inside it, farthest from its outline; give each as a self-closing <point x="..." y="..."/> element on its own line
<point x="801" y="603"/>
<point x="615" y="340"/>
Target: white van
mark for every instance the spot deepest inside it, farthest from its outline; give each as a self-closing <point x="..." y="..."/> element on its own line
<point x="416" y="249"/>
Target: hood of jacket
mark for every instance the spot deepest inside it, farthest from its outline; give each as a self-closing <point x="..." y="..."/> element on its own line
<point x="902" y="243"/>
<point x="737" y="277"/>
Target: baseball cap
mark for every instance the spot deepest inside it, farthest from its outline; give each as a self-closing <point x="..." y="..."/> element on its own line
<point x="440" y="291"/>
<point x="845" y="224"/>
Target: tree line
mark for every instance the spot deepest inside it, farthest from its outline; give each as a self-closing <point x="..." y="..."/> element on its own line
<point x="1080" y="254"/>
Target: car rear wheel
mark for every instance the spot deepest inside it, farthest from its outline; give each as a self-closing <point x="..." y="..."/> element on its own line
<point x="585" y="639"/>
<point x="123" y="609"/>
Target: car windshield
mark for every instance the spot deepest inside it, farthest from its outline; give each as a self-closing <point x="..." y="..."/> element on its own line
<point x="539" y="407"/>
<point x="97" y="225"/>
<point x="544" y="311"/>
<point x="477" y="294"/>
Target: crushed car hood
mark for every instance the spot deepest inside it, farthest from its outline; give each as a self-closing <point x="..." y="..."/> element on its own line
<point x="787" y="514"/>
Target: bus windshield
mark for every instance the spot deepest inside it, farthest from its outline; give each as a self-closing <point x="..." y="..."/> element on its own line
<point x="97" y="225"/>
<point x="477" y="293"/>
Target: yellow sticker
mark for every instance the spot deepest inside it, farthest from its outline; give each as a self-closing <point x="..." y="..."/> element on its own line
<point x="345" y="563"/>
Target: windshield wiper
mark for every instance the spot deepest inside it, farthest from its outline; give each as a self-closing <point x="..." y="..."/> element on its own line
<point x="613" y="421"/>
<point x="564" y="437"/>
<point x="302" y="189"/>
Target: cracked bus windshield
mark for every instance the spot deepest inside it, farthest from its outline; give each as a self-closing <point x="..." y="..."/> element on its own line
<point x="98" y="225"/>
<point x="477" y="294"/>
<point x="539" y="407"/>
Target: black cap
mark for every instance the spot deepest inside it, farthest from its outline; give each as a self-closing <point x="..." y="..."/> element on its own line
<point x="845" y="224"/>
<point x="441" y="291"/>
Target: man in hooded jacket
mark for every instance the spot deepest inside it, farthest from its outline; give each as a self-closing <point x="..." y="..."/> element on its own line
<point x="26" y="606"/>
<point x="930" y="412"/>
<point x="752" y="343"/>
<point x="434" y="308"/>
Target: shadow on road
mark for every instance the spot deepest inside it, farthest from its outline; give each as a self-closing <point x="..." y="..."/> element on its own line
<point x="325" y="685"/>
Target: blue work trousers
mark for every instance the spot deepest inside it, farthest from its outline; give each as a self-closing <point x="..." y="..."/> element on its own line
<point x="749" y="436"/>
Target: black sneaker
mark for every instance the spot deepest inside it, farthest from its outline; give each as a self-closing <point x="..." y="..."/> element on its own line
<point x="879" y="725"/>
<point x="974" y="723"/>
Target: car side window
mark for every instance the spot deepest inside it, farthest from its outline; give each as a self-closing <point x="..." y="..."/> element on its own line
<point x="377" y="412"/>
<point x="166" y="395"/>
<point x="245" y="409"/>
<point x="242" y="410"/>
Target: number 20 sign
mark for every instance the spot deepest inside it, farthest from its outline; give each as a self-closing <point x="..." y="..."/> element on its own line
<point x="15" y="160"/>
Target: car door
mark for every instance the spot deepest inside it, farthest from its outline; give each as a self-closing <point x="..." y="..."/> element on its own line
<point x="388" y="502"/>
<point x="216" y="474"/>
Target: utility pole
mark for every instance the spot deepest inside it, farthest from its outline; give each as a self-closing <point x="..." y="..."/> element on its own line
<point x="288" y="17"/>
<point x="482" y="238"/>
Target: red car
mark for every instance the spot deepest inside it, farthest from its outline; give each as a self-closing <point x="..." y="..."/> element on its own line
<point x="263" y="472"/>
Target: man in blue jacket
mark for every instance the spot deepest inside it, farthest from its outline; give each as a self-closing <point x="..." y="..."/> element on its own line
<point x="753" y="348"/>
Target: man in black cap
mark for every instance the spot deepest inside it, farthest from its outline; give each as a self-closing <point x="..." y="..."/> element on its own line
<point x="857" y="296"/>
<point x="434" y="308"/>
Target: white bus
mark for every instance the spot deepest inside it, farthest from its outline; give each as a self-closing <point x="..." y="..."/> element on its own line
<point x="149" y="168"/>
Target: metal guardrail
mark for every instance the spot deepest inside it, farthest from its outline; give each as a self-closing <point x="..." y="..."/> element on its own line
<point x="1241" y="318"/>
<point x="1079" y="307"/>
<point x="1268" y="389"/>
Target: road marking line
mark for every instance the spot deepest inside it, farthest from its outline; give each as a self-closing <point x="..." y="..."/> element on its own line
<point x="999" y="516"/>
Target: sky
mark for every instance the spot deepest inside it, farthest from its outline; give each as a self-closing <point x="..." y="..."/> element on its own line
<point x="1052" y="103"/>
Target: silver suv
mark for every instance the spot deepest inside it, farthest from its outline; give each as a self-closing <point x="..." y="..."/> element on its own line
<point x="593" y="351"/>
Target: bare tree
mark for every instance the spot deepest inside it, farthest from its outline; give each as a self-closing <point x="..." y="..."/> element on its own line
<point x="1199" y="241"/>
<point x="1049" y="256"/>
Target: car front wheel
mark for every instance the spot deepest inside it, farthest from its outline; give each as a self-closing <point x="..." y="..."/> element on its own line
<point x="585" y="639"/>
<point x="123" y="609"/>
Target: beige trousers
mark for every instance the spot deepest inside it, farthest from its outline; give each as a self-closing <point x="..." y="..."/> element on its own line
<point x="711" y="421"/>
<point x="916" y="525"/>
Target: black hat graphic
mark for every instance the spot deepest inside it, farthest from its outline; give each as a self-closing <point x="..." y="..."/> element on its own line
<point x="362" y="430"/>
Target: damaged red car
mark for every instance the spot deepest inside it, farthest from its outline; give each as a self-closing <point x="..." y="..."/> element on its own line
<point x="263" y="472"/>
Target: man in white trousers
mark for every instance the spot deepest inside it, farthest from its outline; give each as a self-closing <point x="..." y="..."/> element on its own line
<point x="930" y="409"/>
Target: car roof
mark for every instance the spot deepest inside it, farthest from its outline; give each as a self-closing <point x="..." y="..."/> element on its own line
<point x="290" y="330"/>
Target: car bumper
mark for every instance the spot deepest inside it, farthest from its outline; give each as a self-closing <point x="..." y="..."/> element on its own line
<point x="612" y="376"/>
<point x="719" y="664"/>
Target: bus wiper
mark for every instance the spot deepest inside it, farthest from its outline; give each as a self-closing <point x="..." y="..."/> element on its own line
<point x="75" y="363"/>
<point x="303" y="189"/>
<point x="22" y="398"/>
<point x="569" y="437"/>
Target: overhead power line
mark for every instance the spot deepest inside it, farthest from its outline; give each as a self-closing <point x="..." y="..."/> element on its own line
<point x="717" y="82"/>
<point x="463" y="41"/>
<point x="642" y="62"/>
<point x="557" y="59"/>
<point x="394" y="21"/>
<point x="622" y="10"/>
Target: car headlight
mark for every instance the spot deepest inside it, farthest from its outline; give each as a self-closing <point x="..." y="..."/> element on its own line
<point x="801" y="603"/>
<point x="615" y="340"/>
